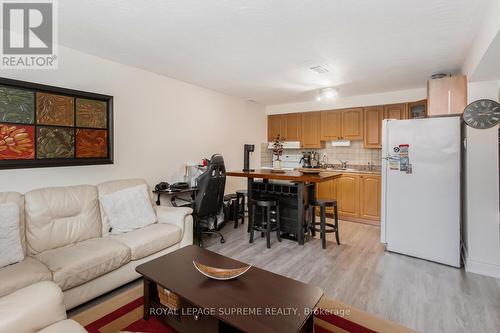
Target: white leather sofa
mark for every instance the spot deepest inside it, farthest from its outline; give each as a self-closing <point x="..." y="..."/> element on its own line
<point x="66" y="240"/>
<point x="36" y="308"/>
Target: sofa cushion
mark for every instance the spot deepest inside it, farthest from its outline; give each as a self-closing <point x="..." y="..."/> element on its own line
<point x="18" y="199"/>
<point x="11" y="249"/>
<point x="78" y="263"/>
<point x="64" y="326"/>
<point x="22" y="274"/>
<point x="148" y="240"/>
<point x="59" y="216"/>
<point x="128" y="209"/>
<point x="113" y="186"/>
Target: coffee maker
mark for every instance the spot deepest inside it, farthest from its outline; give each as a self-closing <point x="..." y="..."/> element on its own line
<point x="306" y="159"/>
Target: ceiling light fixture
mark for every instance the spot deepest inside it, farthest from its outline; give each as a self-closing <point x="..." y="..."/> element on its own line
<point x="327" y="93"/>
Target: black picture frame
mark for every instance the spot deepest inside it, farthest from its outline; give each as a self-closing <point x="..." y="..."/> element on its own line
<point x="62" y="162"/>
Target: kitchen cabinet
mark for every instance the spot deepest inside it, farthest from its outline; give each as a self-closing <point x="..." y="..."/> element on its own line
<point x="292" y="126"/>
<point x="275" y="127"/>
<point x="358" y="196"/>
<point x="417" y="109"/>
<point x="348" y="195"/>
<point x="373" y="116"/>
<point x="330" y="125"/>
<point x="352" y="124"/>
<point x="370" y="197"/>
<point x="327" y="191"/>
<point x="396" y="111"/>
<point x="447" y="96"/>
<point x="310" y="129"/>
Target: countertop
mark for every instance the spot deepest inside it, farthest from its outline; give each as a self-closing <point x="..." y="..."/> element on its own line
<point x="335" y="170"/>
<point x="290" y="175"/>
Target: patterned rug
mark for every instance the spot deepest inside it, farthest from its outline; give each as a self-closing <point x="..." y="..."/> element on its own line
<point x="123" y="313"/>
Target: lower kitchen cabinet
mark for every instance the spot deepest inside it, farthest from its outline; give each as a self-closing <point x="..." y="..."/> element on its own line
<point x="348" y="195"/>
<point x="370" y="197"/>
<point x="358" y="196"/>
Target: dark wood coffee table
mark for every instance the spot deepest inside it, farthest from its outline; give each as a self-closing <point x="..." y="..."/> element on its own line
<point x="258" y="301"/>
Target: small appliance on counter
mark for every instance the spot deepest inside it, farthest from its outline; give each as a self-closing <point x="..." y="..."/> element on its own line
<point x="247" y="149"/>
<point x="310" y="159"/>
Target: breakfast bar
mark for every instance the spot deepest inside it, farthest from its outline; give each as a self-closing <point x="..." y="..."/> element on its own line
<point x="296" y="190"/>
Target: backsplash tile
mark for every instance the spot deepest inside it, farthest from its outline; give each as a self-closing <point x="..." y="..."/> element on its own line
<point x="355" y="154"/>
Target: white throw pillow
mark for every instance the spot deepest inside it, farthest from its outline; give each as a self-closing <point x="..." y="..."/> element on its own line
<point x="11" y="250"/>
<point x="128" y="209"/>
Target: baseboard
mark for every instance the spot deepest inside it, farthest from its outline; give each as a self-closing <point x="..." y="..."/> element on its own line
<point x="482" y="268"/>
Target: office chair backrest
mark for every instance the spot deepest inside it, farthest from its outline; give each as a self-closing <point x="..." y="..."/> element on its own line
<point x="211" y="185"/>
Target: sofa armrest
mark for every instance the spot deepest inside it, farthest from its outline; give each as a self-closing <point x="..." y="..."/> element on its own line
<point x="179" y="216"/>
<point x="33" y="308"/>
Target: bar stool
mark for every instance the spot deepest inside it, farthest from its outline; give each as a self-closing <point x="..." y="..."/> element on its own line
<point x="270" y="219"/>
<point x="322" y="204"/>
<point x="240" y="207"/>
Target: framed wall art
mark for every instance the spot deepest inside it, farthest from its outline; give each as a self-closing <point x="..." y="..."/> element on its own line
<point x="45" y="126"/>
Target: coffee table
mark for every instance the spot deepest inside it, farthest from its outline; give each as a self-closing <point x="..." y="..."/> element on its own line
<point x="258" y="301"/>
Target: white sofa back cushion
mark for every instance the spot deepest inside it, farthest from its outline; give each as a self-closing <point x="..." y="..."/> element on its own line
<point x="113" y="186"/>
<point x="18" y="199"/>
<point x="11" y="250"/>
<point x="60" y="216"/>
<point x="128" y="209"/>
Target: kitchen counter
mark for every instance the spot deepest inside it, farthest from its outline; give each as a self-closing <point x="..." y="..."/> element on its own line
<point x="294" y="197"/>
<point x="290" y="175"/>
<point x="341" y="171"/>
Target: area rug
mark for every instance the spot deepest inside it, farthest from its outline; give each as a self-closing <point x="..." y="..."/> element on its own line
<point x="123" y="313"/>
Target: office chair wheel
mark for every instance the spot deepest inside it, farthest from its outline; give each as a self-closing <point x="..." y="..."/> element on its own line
<point x="222" y="240"/>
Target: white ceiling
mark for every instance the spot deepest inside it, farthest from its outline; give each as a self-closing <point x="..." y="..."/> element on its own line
<point x="262" y="49"/>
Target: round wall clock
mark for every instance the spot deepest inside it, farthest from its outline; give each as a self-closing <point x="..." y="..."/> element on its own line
<point x="482" y="114"/>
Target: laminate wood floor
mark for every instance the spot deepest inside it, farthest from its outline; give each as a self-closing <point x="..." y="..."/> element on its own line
<point x="419" y="294"/>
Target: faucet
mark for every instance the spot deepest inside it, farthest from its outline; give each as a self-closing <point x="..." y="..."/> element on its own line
<point x="343" y="164"/>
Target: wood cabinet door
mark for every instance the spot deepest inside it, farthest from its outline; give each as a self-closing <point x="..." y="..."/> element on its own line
<point x="372" y="124"/>
<point x="447" y="95"/>
<point x="310" y="130"/>
<point x="292" y="129"/>
<point x="327" y="191"/>
<point x="395" y="111"/>
<point x="417" y="109"/>
<point x="370" y="197"/>
<point x="352" y="124"/>
<point x="348" y="195"/>
<point x="330" y="125"/>
<point x="274" y="126"/>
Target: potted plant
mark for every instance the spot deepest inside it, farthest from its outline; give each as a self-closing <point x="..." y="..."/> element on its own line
<point x="277" y="152"/>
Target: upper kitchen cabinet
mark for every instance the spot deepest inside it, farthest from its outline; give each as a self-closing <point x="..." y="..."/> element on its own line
<point x="292" y="126"/>
<point x="447" y="96"/>
<point x="352" y="124"/>
<point x="396" y="111"/>
<point x="373" y="116"/>
<point x="311" y="130"/>
<point x="275" y="127"/>
<point x="330" y="125"/>
<point x="417" y="109"/>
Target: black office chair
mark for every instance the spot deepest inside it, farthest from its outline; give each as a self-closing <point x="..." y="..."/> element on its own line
<point x="209" y="199"/>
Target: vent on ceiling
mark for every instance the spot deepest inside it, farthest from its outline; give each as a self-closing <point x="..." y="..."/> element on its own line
<point x="319" y="69"/>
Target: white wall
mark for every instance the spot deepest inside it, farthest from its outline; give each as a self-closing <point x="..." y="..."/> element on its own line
<point x="160" y="124"/>
<point x="482" y="191"/>
<point x="351" y="101"/>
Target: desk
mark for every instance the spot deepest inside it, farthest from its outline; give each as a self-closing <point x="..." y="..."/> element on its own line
<point x="305" y="186"/>
<point x="174" y="193"/>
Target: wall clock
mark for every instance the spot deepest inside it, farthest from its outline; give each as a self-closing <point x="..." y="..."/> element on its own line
<point x="482" y="114"/>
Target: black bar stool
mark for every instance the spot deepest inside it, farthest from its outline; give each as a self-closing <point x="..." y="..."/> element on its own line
<point x="270" y="219"/>
<point x="240" y="207"/>
<point x="322" y="204"/>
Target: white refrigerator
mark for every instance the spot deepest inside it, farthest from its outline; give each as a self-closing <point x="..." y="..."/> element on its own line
<point x="421" y="173"/>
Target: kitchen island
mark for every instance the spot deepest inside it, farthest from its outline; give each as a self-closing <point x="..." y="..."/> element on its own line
<point x="294" y="190"/>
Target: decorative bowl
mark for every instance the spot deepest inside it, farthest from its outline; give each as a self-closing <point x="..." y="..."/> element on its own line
<point x="220" y="273"/>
